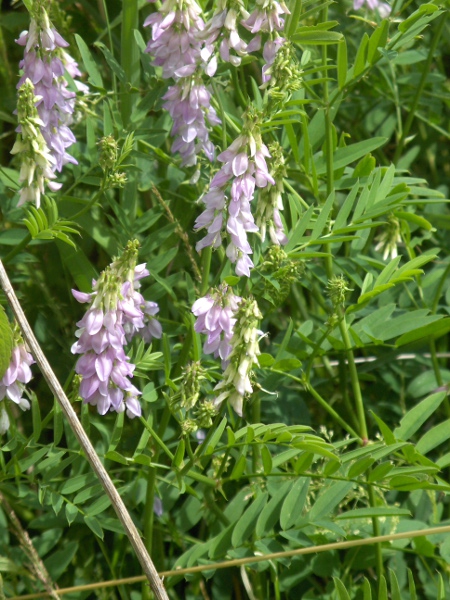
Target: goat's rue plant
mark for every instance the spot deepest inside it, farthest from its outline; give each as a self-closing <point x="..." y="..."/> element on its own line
<point x="250" y="199"/>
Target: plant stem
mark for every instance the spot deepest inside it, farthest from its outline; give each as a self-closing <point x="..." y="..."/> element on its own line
<point x="192" y="474"/>
<point x="206" y="268"/>
<point x="130" y="57"/>
<point x="20" y="246"/>
<point x="323" y="403"/>
<point x="419" y="90"/>
<point x="353" y="376"/>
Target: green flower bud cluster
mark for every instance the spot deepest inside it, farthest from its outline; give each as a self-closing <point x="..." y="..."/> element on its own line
<point x="337" y="290"/>
<point x="109" y="162"/>
<point x="286" y="76"/>
<point x="284" y="270"/>
<point x="36" y="159"/>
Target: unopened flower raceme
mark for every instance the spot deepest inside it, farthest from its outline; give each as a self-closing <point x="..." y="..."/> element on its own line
<point x="176" y="47"/>
<point x="236" y="381"/>
<point x="117" y="312"/>
<point x="216" y="318"/>
<point x="37" y="161"/>
<point x="245" y="167"/>
<point x="43" y="64"/>
<point x="12" y="384"/>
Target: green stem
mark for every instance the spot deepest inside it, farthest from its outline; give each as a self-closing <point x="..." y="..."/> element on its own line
<point x="206" y="268"/>
<point x="376" y="533"/>
<point x="328" y="121"/>
<point x="323" y="403"/>
<point x="89" y="205"/>
<point x="362" y="424"/>
<point x="148" y="521"/>
<point x="353" y="376"/>
<point x="256" y="450"/>
<point x="111" y="46"/>
<point x="130" y="57"/>
<point x="419" y="90"/>
<point x="20" y="246"/>
<point x="192" y="474"/>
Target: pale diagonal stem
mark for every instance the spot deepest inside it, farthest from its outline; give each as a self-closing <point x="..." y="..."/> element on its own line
<point x="103" y="476"/>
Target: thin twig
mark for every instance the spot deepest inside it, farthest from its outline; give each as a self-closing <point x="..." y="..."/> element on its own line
<point x="238" y="562"/>
<point x="180" y="233"/>
<point x="107" y="484"/>
<point x="36" y="564"/>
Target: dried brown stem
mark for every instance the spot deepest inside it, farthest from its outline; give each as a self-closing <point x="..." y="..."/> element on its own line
<point x="36" y="565"/>
<point x="238" y="562"/>
<point x="180" y="233"/>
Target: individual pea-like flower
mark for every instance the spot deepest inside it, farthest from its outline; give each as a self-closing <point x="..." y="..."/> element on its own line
<point x="270" y="199"/>
<point x="383" y="8"/>
<point x="12" y="384"/>
<point x="37" y="161"/>
<point x="236" y="383"/>
<point x="43" y="64"/>
<point x="176" y="47"/>
<point x="245" y="168"/>
<point x="117" y="312"/>
<point x="216" y="318"/>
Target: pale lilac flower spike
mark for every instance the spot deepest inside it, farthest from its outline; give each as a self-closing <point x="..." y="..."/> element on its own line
<point x="43" y="64"/>
<point x="245" y="167"/>
<point x="177" y="49"/>
<point x="382" y="7"/>
<point x="215" y="318"/>
<point x="117" y="312"/>
<point x="12" y="384"/>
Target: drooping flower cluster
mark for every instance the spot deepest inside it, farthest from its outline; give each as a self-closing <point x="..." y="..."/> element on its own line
<point x="236" y="381"/>
<point x="216" y="318"/>
<point x="38" y="163"/>
<point x="383" y="8"/>
<point x="270" y="200"/>
<point x="176" y="47"/>
<point x="245" y="167"/>
<point x="223" y="26"/>
<point x="117" y="312"/>
<point x="43" y="64"/>
<point x="12" y="384"/>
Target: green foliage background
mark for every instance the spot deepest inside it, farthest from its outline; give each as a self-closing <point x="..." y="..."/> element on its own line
<point x="366" y="145"/>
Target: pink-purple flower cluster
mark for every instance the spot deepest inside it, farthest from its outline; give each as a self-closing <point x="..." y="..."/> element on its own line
<point x="117" y="312"/>
<point x="176" y="47"/>
<point x="12" y="384"/>
<point x="43" y="64"/>
<point x="383" y="8"/>
<point x="245" y="167"/>
<point x="223" y="26"/>
<point x="215" y="318"/>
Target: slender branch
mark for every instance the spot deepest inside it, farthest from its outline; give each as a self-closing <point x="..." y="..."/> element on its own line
<point x="103" y="476"/>
<point x="419" y="90"/>
<point x="37" y="566"/>
<point x="180" y="233"/>
<point x="226" y="564"/>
